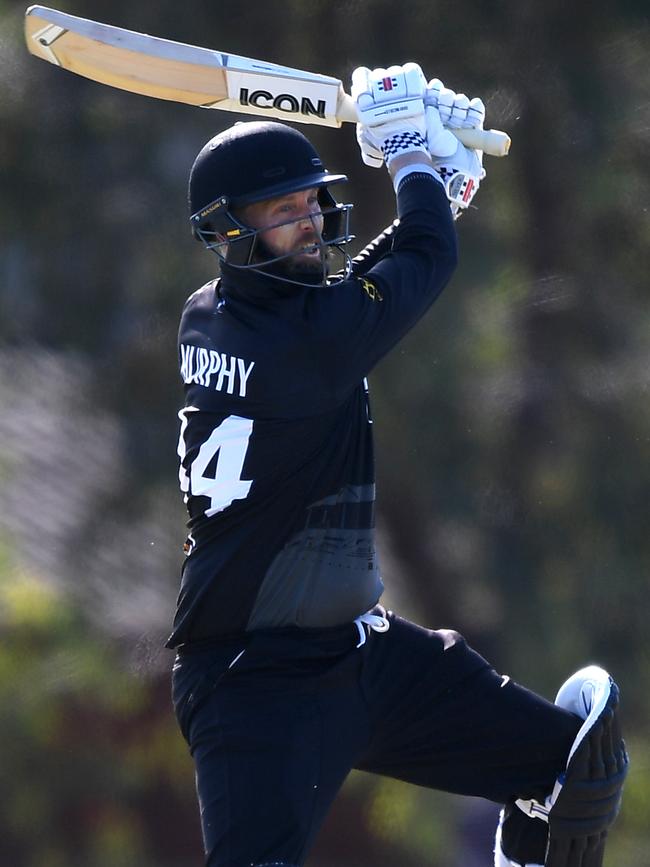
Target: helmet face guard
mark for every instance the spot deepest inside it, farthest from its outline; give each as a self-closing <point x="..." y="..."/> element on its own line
<point x="253" y="162"/>
<point x="237" y="244"/>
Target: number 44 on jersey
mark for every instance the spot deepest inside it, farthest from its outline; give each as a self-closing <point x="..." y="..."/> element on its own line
<point x="227" y="446"/>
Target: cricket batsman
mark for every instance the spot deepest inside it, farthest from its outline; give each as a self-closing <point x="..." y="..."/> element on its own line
<point x="289" y="672"/>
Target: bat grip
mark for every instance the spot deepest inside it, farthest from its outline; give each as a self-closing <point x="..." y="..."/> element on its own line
<point x="491" y="141"/>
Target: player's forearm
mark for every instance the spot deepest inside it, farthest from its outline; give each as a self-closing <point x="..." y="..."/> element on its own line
<point x="425" y="225"/>
<point x="382" y="244"/>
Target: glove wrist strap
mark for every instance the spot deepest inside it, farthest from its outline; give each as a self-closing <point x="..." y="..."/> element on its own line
<point x="403" y="142"/>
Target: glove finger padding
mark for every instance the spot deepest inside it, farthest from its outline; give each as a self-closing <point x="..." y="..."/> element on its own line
<point x="390" y="107"/>
<point x="459" y="109"/>
<point x="388" y="95"/>
<point x="460" y="168"/>
<point x="475" y="114"/>
<point x="440" y="97"/>
<point x="455" y="109"/>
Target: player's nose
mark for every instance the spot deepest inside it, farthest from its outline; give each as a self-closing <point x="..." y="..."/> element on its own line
<point x="309" y="220"/>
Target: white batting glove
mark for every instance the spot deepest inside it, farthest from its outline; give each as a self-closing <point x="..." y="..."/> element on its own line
<point x="460" y="168"/>
<point x="390" y="106"/>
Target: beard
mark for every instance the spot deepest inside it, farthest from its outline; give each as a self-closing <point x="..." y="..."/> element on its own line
<point x="296" y="267"/>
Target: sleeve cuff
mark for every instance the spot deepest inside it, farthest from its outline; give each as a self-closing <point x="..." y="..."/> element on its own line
<point x="419" y="168"/>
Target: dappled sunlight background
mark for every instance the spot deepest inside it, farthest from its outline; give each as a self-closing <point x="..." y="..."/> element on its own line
<point x="513" y="424"/>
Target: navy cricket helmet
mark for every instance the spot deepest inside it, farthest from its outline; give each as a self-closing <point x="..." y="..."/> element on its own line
<point x="251" y="162"/>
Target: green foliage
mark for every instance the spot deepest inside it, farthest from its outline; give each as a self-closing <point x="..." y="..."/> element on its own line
<point x="91" y="756"/>
<point x="400" y="816"/>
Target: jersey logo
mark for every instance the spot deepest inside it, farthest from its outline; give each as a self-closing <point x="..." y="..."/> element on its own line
<point x="370" y="289"/>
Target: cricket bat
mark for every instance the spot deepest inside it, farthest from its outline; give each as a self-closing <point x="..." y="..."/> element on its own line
<point x="203" y="77"/>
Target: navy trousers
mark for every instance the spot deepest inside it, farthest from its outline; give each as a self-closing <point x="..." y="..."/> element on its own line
<point x="276" y="722"/>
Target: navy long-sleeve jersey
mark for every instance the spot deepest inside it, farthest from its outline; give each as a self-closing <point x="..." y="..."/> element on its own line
<point x="276" y="454"/>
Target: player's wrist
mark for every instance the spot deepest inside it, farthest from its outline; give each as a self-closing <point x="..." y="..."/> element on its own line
<point x="409" y="164"/>
<point x="409" y="159"/>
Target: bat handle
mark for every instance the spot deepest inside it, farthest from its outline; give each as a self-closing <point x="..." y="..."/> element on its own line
<point x="494" y="142"/>
<point x="490" y="141"/>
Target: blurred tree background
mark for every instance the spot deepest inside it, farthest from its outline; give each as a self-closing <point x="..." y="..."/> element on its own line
<point x="513" y="423"/>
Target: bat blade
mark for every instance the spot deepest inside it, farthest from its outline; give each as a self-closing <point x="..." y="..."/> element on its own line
<point x="178" y="72"/>
<point x="164" y="69"/>
<point x="123" y="59"/>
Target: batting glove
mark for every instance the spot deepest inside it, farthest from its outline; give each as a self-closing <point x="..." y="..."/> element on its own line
<point x="460" y="168"/>
<point x="390" y="107"/>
